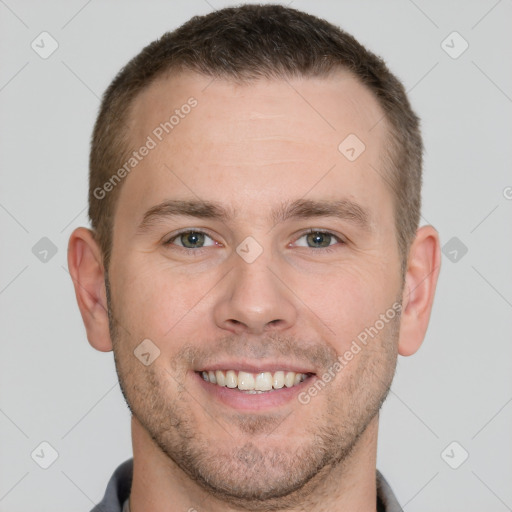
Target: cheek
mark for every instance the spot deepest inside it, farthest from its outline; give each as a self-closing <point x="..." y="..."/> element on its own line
<point x="347" y="300"/>
<point x="158" y="302"/>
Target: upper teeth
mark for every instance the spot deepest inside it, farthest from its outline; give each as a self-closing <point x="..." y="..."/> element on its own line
<point x="263" y="381"/>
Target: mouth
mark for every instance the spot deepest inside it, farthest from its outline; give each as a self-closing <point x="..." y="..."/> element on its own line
<point x="254" y="386"/>
<point x="254" y="383"/>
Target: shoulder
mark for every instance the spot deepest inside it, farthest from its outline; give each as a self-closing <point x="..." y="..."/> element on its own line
<point x="386" y="498"/>
<point x="118" y="489"/>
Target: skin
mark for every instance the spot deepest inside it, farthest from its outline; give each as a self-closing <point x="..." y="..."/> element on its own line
<point x="252" y="148"/>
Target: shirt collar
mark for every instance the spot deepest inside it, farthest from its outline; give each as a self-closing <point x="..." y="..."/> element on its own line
<point x="116" y="498"/>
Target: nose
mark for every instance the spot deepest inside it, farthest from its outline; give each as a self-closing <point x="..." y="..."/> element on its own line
<point x="254" y="299"/>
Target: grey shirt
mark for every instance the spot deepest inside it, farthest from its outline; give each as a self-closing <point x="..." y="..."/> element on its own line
<point x="118" y="492"/>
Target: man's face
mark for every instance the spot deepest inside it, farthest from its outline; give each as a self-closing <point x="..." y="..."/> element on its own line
<point x="321" y="266"/>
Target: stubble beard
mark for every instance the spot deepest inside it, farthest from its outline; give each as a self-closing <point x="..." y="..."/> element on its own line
<point x="249" y="475"/>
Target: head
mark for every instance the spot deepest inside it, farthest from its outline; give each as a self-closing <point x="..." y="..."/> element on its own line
<point x="244" y="45"/>
<point x="255" y="182"/>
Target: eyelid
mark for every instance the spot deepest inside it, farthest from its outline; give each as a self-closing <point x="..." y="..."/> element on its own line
<point x="340" y="239"/>
<point x="168" y="239"/>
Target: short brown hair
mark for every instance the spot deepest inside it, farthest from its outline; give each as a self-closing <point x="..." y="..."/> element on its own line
<point x="243" y="44"/>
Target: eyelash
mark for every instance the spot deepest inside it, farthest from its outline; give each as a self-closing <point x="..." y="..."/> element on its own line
<point x="327" y="249"/>
<point x="185" y="231"/>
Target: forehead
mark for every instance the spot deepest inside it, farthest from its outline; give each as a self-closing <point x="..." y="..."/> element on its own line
<point x="267" y="139"/>
<point x="329" y="105"/>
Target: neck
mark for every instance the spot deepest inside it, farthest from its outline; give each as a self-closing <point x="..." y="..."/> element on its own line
<point x="159" y="485"/>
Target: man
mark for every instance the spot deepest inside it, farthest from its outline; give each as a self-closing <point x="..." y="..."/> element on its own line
<point x="255" y="263"/>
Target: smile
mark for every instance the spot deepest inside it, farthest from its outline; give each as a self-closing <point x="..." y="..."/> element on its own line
<point x="253" y="383"/>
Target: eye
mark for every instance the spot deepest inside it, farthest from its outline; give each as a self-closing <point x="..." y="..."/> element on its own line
<point x="191" y="240"/>
<point x="317" y="240"/>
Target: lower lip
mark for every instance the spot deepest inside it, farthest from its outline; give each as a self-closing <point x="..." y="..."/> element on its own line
<point x="257" y="401"/>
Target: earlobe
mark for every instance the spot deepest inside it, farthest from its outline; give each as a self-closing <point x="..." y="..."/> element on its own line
<point x="420" y="283"/>
<point x="87" y="272"/>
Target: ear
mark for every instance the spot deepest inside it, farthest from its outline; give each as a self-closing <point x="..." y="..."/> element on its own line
<point x="85" y="264"/>
<point x="420" y="284"/>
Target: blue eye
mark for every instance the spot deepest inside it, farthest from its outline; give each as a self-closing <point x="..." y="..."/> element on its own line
<point x="191" y="240"/>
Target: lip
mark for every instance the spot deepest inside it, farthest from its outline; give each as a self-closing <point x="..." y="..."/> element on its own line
<point x="246" y="366"/>
<point x="236" y="399"/>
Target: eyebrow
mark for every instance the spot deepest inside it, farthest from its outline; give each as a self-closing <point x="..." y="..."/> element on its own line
<point x="176" y="208"/>
<point x="344" y="209"/>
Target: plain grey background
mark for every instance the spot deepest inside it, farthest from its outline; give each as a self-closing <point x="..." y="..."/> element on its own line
<point x="55" y="388"/>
